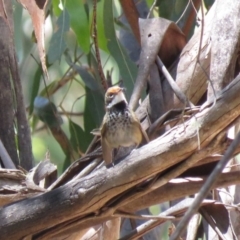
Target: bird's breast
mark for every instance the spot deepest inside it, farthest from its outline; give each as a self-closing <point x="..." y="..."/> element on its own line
<point x="122" y="130"/>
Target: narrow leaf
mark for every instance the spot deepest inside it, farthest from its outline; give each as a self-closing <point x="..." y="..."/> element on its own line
<point x="79" y="23"/>
<point x="128" y="69"/>
<point x="57" y="43"/>
<point x="79" y="138"/>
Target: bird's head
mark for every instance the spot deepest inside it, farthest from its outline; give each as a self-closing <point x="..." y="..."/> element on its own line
<point x="114" y="96"/>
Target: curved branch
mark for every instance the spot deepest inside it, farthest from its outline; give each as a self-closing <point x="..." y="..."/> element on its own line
<point x="89" y="196"/>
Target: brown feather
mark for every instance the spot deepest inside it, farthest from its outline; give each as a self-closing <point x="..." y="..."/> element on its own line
<point x="144" y="134"/>
<point x="107" y="152"/>
<point x="106" y="149"/>
<point x="120" y="126"/>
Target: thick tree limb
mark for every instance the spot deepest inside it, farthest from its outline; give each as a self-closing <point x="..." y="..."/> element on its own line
<point x="177" y="188"/>
<point x="89" y="196"/>
<point x="225" y="34"/>
<point x="6" y="99"/>
<point x="206" y="188"/>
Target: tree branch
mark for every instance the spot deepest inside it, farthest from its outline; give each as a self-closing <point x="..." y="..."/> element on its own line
<point x="90" y="196"/>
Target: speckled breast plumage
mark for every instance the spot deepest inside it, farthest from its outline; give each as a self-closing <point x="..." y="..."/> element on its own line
<point x="121" y="129"/>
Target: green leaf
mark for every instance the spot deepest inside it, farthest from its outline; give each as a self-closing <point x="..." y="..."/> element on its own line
<point x="94" y="111"/>
<point x="49" y="89"/>
<point x="91" y="58"/>
<point x="47" y="112"/>
<point x="166" y="8"/>
<point x="55" y="6"/>
<point x="79" y="138"/>
<point x="35" y="88"/>
<point x="79" y="23"/>
<point x="34" y="122"/>
<point x="127" y="68"/>
<point x="208" y="3"/>
<point x="172" y="9"/>
<point x="87" y="78"/>
<point x="57" y="43"/>
<point x="102" y="40"/>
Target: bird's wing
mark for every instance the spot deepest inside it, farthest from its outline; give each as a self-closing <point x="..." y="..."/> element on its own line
<point x="144" y="134"/>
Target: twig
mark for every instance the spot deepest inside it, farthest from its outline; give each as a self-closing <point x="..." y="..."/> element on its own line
<point x="119" y="213"/>
<point x="174" y="211"/>
<point x="183" y="12"/>
<point x="6" y="159"/>
<point x="181" y="96"/>
<point x="23" y="130"/>
<point x="94" y="35"/>
<point x="212" y="223"/>
<point x="151" y="8"/>
<point x="88" y="169"/>
<point x="71" y="113"/>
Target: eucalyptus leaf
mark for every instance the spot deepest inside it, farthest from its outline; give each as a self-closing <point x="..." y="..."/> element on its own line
<point x="209" y="3"/>
<point x="79" y="138"/>
<point x="102" y="40"/>
<point x="128" y="70"/>
<point x="92" y="61"/>
<point x="50" y="89"/>
<point x="167" y="9"/>
<point x="35" y="88"/>
<point x="56" y="7"/>
<point x="57" y="43"/>
<point x="94" y="111"/>
<point x="88" y="79"/>
<point x="79" y="23"/>
<point x="47" y="112"/>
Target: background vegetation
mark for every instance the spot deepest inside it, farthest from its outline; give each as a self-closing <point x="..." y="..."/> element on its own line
<point x="73" y="72"/>
<point x="63" y="89"/>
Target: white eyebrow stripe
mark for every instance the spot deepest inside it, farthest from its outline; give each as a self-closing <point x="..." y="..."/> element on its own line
<point x="117" y="99"/>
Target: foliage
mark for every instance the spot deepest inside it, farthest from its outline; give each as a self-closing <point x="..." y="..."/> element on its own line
<point x="74" y="84"/>
<point x="66" y="103"/>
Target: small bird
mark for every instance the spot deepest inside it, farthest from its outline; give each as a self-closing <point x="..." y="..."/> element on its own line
<point x="120" y="127"/>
